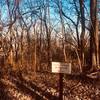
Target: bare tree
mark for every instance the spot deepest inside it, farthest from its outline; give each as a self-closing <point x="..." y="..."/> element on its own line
<point x="94" y="44"/>
<point x="83" y="30"/>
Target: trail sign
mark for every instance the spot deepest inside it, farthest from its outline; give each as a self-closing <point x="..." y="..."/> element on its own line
<point x="58" y="67"/>
<point x="61" y="68"/>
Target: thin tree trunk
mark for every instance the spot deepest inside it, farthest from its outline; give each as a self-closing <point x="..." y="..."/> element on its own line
<point x="83" y="30"/>
<point x="62" y="30"/>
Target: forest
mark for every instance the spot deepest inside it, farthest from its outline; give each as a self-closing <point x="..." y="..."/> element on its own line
<point x="35" y="33"/>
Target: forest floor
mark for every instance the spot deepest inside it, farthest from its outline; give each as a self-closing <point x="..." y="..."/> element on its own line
<point x="45" y="86"/>
<point x="75" y="87"/>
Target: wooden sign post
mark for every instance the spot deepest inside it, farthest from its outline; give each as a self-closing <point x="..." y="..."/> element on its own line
<point x="61" y="68"/>
<point x="61" y="86"/>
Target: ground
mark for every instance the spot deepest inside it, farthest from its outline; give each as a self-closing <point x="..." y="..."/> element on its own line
<point x="45" y="86"/>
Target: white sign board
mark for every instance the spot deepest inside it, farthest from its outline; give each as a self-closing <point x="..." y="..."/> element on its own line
<point x="58" y="67"/>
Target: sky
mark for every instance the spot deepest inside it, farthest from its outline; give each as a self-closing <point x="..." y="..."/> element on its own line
<point x="26" y="5"/>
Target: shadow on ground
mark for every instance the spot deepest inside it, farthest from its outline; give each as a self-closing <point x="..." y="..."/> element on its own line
<point x="3" y="92"/>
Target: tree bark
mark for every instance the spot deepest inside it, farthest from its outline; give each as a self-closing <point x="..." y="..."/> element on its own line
<point x="82" y="30"/>
<point x="94" y="43"/>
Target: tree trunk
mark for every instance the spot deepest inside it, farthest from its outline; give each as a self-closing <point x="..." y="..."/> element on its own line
<point x="83" y="30"/>
<point x="62" y="30"/>
<point x="94" y="44"/>
<point x="48" y="33"/>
